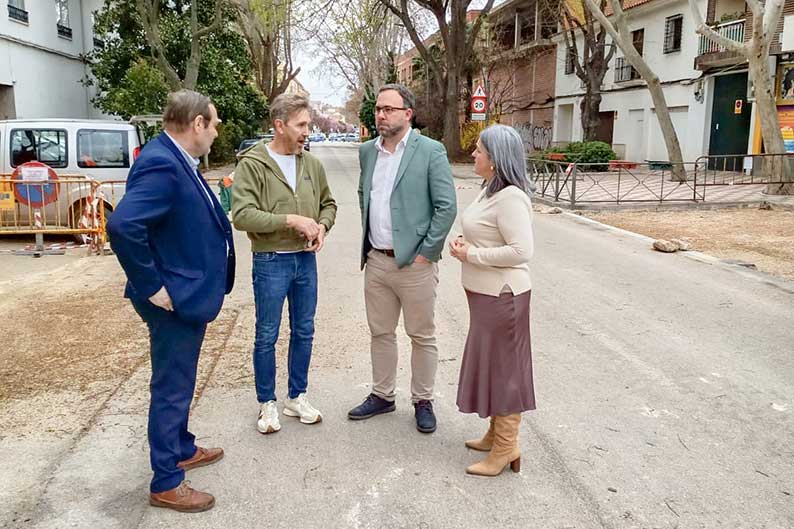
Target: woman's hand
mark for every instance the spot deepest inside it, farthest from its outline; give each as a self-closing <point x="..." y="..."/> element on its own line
<point x="459" y="249"/>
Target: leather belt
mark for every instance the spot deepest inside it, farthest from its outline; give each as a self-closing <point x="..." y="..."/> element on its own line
<point x="389" y="253"/>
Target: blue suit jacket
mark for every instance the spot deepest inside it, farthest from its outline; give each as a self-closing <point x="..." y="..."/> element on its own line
<point x="165" y="233"/>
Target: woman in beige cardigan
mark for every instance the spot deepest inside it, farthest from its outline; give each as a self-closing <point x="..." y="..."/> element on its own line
<point x="496" y="371"/>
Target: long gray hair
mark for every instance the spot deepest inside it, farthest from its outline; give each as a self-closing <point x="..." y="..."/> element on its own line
<point x="505" y="148"/>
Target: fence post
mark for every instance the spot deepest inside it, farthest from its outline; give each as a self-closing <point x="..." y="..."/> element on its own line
<point x="573" y="186"/>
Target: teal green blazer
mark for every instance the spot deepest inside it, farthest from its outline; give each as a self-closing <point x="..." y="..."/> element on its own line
<point x="423" y="203"/>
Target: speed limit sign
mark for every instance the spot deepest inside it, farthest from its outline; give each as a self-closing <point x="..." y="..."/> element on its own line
<point x="478" y="105"/>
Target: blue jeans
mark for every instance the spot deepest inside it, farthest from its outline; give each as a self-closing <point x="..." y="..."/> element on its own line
<point x="277" y="276"/>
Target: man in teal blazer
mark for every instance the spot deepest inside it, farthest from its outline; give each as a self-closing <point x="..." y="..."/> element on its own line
<point x="407" y="201"/>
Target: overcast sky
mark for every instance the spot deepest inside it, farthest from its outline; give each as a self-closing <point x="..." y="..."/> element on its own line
<point x="330" y="88"/>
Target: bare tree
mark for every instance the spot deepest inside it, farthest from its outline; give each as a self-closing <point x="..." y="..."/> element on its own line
<point x="266" y="26"/>
<point x="149" y="11"/>
<point x="359" y="40"/>
<point x="591" y="65"/>
<point x="458" y="41"/>
<point x="619" y="31"/>
<point x="765" y="21"/>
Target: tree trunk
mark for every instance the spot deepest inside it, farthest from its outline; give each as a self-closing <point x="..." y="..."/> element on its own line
<point x="590" y="107"/>
<point x="666" y="124"/>
<point x="776" y="167"/>
<point x="451" y="117"/>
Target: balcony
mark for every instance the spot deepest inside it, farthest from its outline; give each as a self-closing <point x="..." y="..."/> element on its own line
<point x="624" y="71"/>
<point x="16" y="13"/>
<point x="65" y="32"/>
<point x="711" y="54"/>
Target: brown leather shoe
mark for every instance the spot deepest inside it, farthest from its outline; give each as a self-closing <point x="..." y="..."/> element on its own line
<point x="183" y="499"/>
<point x="202" y="458"/>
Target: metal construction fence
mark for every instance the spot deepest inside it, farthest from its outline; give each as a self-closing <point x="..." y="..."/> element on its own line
<point x="68" y="205"/>
<point x="624" y="182"/>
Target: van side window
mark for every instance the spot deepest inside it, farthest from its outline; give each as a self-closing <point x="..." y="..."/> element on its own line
<point x="46" y="146"/>
<point x="102" y="148"/>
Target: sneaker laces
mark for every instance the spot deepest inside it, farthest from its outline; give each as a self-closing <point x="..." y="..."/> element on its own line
<point x="270" y="411"/>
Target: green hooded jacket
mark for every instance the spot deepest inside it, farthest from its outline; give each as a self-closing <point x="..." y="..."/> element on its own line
<point x="262" y="199"/>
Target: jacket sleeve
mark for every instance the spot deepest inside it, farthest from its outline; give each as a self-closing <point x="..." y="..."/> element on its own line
<point x="361" y="179"/>
<point x="246" y="214"/>
<point x="445" y="207"/>
<point x="147" y="200"/>
<point x="327" y="203"/>
<point x="514" y="221"/>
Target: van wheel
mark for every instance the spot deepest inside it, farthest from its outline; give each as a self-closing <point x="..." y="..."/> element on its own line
<point x="76" y="213"/>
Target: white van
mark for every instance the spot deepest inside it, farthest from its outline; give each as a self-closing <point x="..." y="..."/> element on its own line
<point x="98" y="149"/>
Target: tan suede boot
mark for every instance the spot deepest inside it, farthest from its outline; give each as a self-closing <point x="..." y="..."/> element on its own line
<point x="484" y="444"/>
<point x="505" y="448"/>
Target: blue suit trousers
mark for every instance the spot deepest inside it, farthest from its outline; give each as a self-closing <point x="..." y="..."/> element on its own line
<point x="175" y="347"/>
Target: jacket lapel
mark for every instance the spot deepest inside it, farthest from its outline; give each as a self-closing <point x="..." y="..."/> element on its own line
<point x="368" y="171"/>
<point x="410" y="149"/>
<point x="201" y="185"/>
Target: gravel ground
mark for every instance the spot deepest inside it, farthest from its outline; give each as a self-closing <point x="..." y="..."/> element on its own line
<point x="764" y="238"/>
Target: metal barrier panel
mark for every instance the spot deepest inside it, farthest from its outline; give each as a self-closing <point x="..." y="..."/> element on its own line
<point x="612" y="183"/>
<point x="70" y="205"/>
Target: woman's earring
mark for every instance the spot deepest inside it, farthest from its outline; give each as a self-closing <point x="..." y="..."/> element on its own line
<point x="492" y="168"/>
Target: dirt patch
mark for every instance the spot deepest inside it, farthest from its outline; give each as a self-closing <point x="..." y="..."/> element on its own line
<point x="762" y="237"/>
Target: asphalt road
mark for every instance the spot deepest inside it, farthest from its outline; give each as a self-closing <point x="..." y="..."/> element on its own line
<point x="664" y="390"/>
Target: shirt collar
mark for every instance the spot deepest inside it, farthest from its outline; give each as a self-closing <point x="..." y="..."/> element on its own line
<point x="194" y="162"/>
<point x="401" y="143"/>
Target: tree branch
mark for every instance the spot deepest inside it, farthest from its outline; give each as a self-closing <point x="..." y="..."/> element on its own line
<point x="702" y="29"/>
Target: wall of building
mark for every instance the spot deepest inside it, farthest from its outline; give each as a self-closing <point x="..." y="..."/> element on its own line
<point x="43" y="69"/>
<point x="637" y="135"/>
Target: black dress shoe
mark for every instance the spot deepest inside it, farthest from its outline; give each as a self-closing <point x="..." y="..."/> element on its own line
<point x="425" y="418"/>
<point x="373" y="405"/>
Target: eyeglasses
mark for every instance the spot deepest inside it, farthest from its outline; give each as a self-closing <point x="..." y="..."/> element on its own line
<point x="387" y="110"/>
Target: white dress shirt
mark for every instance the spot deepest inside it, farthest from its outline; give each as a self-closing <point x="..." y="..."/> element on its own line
<point x="386" y="166"/>
<point x="194" y="163"/>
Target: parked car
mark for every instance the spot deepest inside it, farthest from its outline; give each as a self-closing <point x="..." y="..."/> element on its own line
<point x="98" y="149"/>
<point x="352" y="136"/>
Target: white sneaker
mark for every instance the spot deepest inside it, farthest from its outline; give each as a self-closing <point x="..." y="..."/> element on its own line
<point x="268" y="418"/>
<point x="300" y="407"/>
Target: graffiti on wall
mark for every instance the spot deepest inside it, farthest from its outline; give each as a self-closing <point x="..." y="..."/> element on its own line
<point x="540" y="137"/>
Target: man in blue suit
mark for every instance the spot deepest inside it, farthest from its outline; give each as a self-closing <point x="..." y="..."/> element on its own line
<point x="174" y="242"/>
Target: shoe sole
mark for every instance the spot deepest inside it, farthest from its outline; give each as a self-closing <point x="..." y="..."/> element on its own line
<point x="173" y="507"/>
<point x="379" y="412"/>
<point x="426" y="430"/>
<point x="269" y="430"/>
<point x="201" y="463"/>
<point x="290" y="413"/>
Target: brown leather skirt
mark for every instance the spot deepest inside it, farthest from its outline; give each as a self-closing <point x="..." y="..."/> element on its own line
<point x="496" y="371"/>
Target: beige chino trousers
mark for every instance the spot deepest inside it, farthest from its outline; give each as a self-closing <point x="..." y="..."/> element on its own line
<point x="388" y="290"/>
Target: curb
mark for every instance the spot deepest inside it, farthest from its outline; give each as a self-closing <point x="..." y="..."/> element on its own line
<point x="761" y="277"/>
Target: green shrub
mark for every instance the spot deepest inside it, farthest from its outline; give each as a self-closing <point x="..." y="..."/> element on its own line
<point x="230" y="134"/>
<point x="596" y="152"/>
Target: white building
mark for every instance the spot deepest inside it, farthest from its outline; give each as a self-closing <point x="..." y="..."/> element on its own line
<point x="702" y="85"/>
<point x="42" y="48"/>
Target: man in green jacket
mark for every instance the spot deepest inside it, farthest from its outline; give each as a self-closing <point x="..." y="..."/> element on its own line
<point x="408" y="205"/>
<point x="281" y="198"/>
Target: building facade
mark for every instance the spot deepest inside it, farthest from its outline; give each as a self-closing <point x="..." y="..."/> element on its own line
<point x="43" y="44"/>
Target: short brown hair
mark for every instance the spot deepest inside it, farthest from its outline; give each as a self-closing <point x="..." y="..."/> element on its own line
<point x="285" y="105"/>
<point x="182" y="108"/>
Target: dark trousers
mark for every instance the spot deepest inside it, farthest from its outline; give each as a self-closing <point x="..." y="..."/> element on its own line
<point x="175" y="347"/>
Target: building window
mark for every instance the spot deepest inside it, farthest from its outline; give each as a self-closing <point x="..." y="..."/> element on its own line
<point x="46" y="146"/>
<point x="62" y="19"/>
<point x="16" y="10"/>
<point x="624" y="71"/>
<point x="673" y="29"/>
<point x="570" y="56"/>
<point x="102" y="148"/>
<point x="638" y="38"/>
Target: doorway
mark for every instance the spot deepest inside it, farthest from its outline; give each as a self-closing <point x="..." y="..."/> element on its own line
<point x="730" y="121"/>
